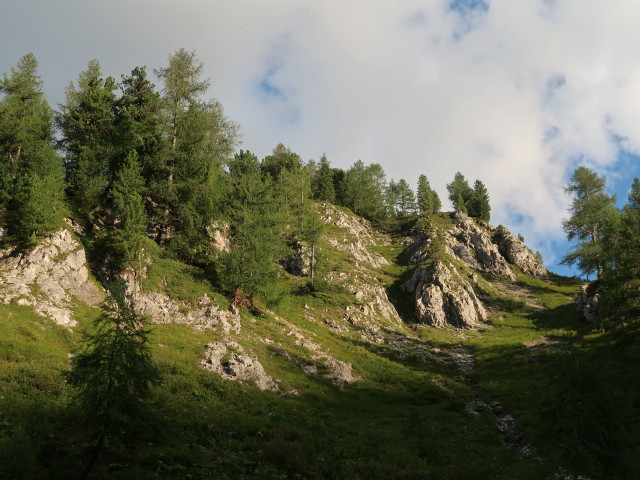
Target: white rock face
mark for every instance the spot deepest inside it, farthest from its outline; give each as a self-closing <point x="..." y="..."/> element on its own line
<point x="163" y="309"/>
<point x="473" y="245"/>
<point x="359" y="238"/>
<point x="518" y="254"/>
<point x="444" y="298"/>
<point x="49" y="277"/>
<point x="228" y="360"/>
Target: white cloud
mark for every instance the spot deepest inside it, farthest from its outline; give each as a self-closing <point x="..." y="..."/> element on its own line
<point x="513" y="93"/>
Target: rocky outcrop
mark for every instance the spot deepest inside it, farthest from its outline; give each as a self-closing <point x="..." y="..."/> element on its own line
<point x="517" y="253"/>
<point x="300" y="262"/>
<point x="204" y="314"/>
<point x="49" y="277"/>
<point x="219" y="235"/>
<point x="359" y="235"/>
<point x="472" y="244"/>
<point x="588" y="304"/>
<point x="444" y="298"/>
<point x="201" y="315"/>
<point x="229" y="361"/>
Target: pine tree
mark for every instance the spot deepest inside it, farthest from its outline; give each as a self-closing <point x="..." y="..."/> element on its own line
<point x="323" y="187"/>
<point x="435" y="201"/>
<point x="621" y="253"/>
<point x="391" y="198"/>
<point x="479" y="206"/>
<point x="590" y="209"/>
<point x="364" y="189"/>
<point x="138" y="121"/>
<point x="127" y="196"/>
<point x="31" y="177"/>
<point x="460" y="193"/>
<point x="425" y="198"/>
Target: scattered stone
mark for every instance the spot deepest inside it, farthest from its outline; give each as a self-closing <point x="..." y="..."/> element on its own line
<point x="228" y="360"/>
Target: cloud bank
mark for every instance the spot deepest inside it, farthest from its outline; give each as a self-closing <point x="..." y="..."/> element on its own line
<point x="513" y="93"/>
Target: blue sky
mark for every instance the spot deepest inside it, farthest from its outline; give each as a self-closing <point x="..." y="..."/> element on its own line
<point x="513" y="93"/>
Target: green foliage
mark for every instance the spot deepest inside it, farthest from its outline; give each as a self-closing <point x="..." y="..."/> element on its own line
<point x="363" y="188"/>
<point x="590" y="209"/>
<point x="127" y="195"/>
<point x="31" y="186"/>
<point x="460" y="193"/>
<point x="479" y="206"/>
<point x="323" y="187"/>
<point x="620" y="284"/>
<point x="87" y="124"/>
<point x="428" y="199"/>
<point x="188" y="176"/>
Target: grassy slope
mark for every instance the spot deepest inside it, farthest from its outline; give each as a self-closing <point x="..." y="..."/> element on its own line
<point x="407" y="418"/>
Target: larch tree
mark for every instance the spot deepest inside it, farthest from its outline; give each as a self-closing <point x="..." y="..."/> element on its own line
<point x="590" y="209"/>
<point x="406" y="198"/>
<point x="200" y="139"/>
<point x="621" y="251"/>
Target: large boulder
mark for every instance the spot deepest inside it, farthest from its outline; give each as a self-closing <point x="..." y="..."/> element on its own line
<point x="229" y="361"/>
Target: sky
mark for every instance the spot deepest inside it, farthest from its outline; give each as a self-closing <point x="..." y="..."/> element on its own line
<point x="516" y="93"/>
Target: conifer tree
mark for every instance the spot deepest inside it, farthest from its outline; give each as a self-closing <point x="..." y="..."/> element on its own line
<point x="621" y="254"/>
<point x="113" y="374"/>
<point x="323" y="187"/>
<point x="363" y="188"/>
<point x="391" y="198"/>
<point x="256" y="224"/>
<point x="425" y="198"/>
<point x="590" y="209"/>
<point x="460" y="193"/>
<point x="406" y="198"/>
<point x="138" y="121"/>
<point x="479" y="206"/>
<point x="31" y="176"/>
<point x="200" y="138"/>
<point x="87" y="123"/>
<point x="127" y="195"/>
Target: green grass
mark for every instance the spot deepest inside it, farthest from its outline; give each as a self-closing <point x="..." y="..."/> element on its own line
<point x="577" y="398"/>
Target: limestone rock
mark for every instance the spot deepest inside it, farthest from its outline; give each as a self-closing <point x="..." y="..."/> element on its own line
<point x="360" y="235"/>
<point x="228" y="360"/>
<point x="472" y="244"/>
<point x="300" y="262"/>
<point x="588" y="304"/>
<point x="49" y="277"/>
<point x="202" y="315"/>
<point x="516" y="252"/>
<point x="444" y="298"/>
<point x="219" y="235"/>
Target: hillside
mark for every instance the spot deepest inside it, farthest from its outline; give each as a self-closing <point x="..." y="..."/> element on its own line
<point x="440" y="349"/>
